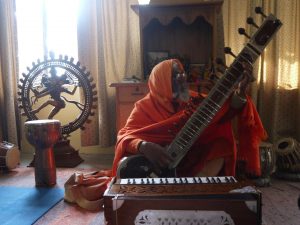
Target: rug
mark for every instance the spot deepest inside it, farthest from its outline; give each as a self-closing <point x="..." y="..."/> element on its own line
<point x="25" y="205"/>
<point x="60" y="214"/>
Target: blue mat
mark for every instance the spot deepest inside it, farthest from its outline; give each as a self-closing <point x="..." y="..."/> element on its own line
<point x="26" y="205"/>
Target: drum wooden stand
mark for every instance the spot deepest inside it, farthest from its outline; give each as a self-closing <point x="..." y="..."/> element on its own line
<point x="43" y="134"/>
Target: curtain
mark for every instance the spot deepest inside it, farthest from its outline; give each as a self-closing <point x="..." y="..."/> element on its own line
<point x="279" y="87"/>
<point x="276" y="90"/>
<point x="235" y="14"/>
<point x="108" y="42"/>
<point x="108" y="45"/>
<point x="9" y="115"/>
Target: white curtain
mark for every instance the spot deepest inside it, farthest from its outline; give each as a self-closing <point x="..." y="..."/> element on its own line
<point x="109" y="46"/>
<point x="276" y="90"/>
<point x="9" y="116"/>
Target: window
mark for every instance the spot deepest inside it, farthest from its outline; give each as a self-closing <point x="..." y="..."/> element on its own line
<point x="45" y="26"/>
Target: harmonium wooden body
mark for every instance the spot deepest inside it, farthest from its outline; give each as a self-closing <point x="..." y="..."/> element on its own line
<point x="182" y="201"/>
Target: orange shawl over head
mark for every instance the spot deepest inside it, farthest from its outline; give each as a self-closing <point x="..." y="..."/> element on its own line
<point x="154" y="119"/>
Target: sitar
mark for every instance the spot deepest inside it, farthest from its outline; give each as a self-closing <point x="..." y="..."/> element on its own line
<point x="139" y="166"/>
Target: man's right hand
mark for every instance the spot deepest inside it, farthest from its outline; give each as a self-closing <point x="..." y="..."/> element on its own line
<point x="155" y="154"/>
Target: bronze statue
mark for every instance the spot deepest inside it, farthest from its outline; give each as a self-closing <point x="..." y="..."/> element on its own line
<point x="53" y="78"/>
<point x="53" y="86"/>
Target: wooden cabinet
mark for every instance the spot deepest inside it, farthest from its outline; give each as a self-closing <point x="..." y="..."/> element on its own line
<point x="126" y="95"/>
<point x="190" y="32"/>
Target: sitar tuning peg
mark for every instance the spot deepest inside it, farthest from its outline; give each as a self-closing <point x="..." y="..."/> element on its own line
<point x="251" y="22"/>
<point x="243" y="32"/>
<point x="258" y="10"/>
<point x="227" y="50"/>
<point x="219" y="61"/>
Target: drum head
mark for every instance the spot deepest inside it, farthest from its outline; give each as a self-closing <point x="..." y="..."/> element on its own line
<point x="285" y="146"/>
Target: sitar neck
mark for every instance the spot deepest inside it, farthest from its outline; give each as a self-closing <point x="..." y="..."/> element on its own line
<point x="221" y="91"/>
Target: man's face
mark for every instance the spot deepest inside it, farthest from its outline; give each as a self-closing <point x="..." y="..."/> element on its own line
<point x="179" y="85"/>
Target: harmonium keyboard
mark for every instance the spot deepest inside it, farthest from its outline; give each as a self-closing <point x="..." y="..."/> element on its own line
<point x="182" y="201"/>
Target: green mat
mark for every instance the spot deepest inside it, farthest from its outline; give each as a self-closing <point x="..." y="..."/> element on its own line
<point x="26" y="205"/>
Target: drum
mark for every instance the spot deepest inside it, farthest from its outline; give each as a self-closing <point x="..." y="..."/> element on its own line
<point x="288" y="155"/>
<point x="267" y="164"/>
<point x="267" y="159"/>
<point x="9" y="156"/>
<point x="43" y="134"/>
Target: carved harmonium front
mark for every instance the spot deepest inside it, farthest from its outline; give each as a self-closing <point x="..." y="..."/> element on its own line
<point x="182" y="201"/>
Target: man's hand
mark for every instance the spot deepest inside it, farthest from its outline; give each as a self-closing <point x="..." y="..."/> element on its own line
<point x="155" y="154"/>
<point x="239" y="99"/>
<point x="246" y="79"/>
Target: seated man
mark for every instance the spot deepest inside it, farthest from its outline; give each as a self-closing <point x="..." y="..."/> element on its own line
<point x="157" y="118"/>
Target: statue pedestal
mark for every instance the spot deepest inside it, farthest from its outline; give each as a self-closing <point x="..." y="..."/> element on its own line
<point x="65" y="155"/>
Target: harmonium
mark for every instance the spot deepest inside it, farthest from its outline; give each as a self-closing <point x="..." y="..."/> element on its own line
<point x="182" y="201"/>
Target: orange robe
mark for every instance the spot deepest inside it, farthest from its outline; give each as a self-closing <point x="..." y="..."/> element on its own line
<point x="154" y="116"/>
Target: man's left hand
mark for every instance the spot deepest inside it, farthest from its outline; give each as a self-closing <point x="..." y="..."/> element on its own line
<point x="246" y="79"/>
